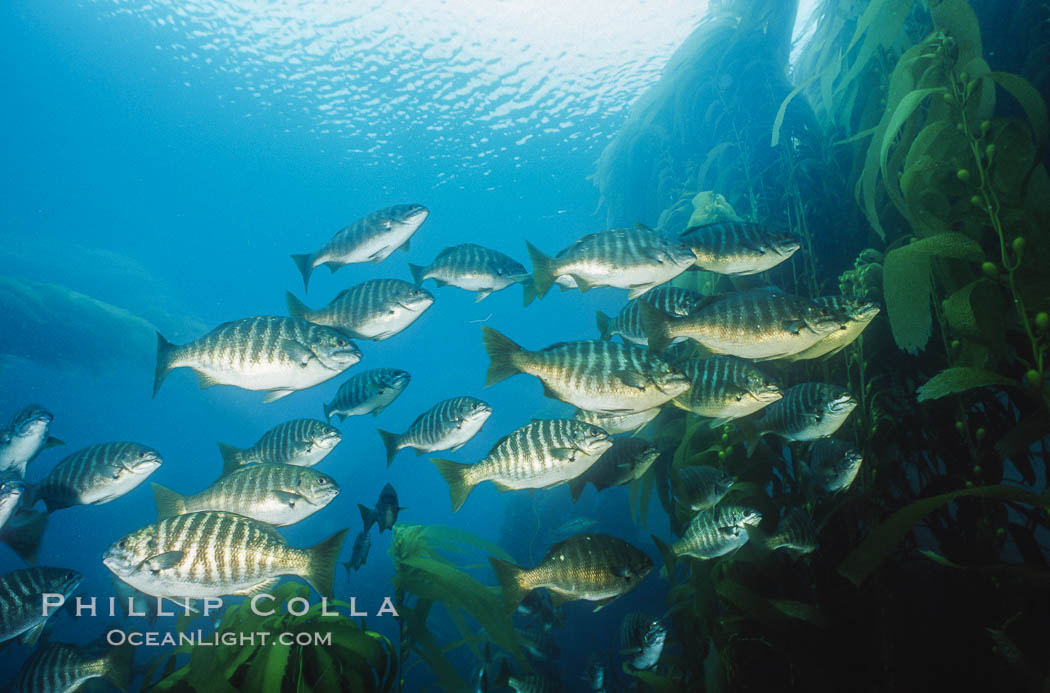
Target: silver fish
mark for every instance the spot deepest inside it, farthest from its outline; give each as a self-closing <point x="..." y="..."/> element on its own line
<point x="61" y="667"/>
<point x="24" y="438"/>
<point x="277" y="494"/>
<point x="739" y="247"/>
<point x="627" y="460"/>
<point x="370" y="239"/>
<point x="701" y="487"/>
<point x="614" y="424"/>
<point x="300" y="442"/>
<point x="97" y="474"/>
<point x="833" y="464"/>
<point x="448" y="425"/>
<point x="21" y="600"/>
<point x="12" y="493"/>
<point x="642" y="640"/>
<point x="713" y="533"/>
<point x="673" y="300"/>
<point x="635" y="259"/>
<point x="376" y="309"/>
<point x="280" y="355"/>
<point x="796" y="533"/>
<point x="807" y="412"/>
<point x="726" y="388"/>
<point x="369" y="392"/>
<point x="598" y="376"/>
<point x="858" y="313"/>
<point x="473" y="268"/>
<point x="215" y="554"/>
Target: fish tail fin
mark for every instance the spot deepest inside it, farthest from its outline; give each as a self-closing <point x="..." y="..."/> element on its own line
<point x="502" y="351"/>
<point x="23" y="534"/>
<point x="231" y="457"/>
<point x="328" y="411"/>
<point x="604" y="322"/>
<point x="368" y="516"/>
<point x="296" y="308"/>
<point x="455" y="475"/>
<point x="509" y="577"/>
<point x="390" y="443"/>
<point x="528" y="291"/>
<point x="165" y="351"/>
<point x="305" y="264"/>
<point x="417" y="273"/>
<point x="320" y="572"/>
<point x="751" y="434"/>
<point x="667" y="553"/>
<point x="117" y="666"/>
<point x="169" y="503"/>
<point x="576" y="488"/>
<point x="656" y="326"/>
<point x="542" y="270"/>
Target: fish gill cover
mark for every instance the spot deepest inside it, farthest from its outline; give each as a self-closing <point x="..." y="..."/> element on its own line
<point x="817" y="450"/>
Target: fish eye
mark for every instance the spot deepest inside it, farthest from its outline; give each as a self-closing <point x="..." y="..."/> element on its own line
<point x="122" y="544"/>
<point x="340" y="342"/>
<point x="142" y="454"/>
<point x="322" y="481"/>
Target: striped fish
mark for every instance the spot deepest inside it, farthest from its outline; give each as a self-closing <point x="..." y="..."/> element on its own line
<point x="528" y="683"/>
<point x="21" y="600"/>
<point x="833" y="464"/>
<point x="367" y="393"/>
<point x="537" y="455"/>
<point x="673" y="300"/>
<point x="447" y="425"/>
<point x="796" y="533"/>
<point x="713" y="533"/>
<point x="807" y="412"/>
<point x="614" y="424"/>
<point x="725" y="388"/>
<point x="12" y="493"/>
<point x="370" y="239"/>
<point x="701" y="487"/>
<point x="739" y="247"/>
<point x="376" y="309"/>
<point x="858" y="313"/>
<point x="214" y="554"/>
<point x="627" y="460"/>
<point x="277" y="354"/>
<point x="598" y="376"/>
<point x="24" y="438"/>
<point x="97" y="474"/>
<point x="634" y="259"/>
<point x="594" y="567"/>
<point x="642" y="640"/>
<point x="473" y="268"/>
<point x="761" y="324"/>
<point x="64" y="668"/>
<point x="537" y="642"/>
<point x="277" y="494"/>
<point x="300" y="442"/>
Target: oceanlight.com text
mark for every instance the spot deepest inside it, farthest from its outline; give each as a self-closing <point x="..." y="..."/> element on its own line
<point x="198" y="638"/>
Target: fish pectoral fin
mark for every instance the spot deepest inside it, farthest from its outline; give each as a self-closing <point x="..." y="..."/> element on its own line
<point x="482" y="295"/>
<point x="632" y="379"/>
<point x="563" y="454"/>
<point x="262" y="588"/>
<point x="163" y="560"/>
<point x="30" y="637"/>
<point x="378" y="255"/>
<point x="794" y="326"/>
<point x="620" y="572"/>
<point x="205" y="380"/>
<point x="52" y="441"/>
<point x="274" y="395"/>
<point x="297" y="352"/>
<point x="289" y="499"/>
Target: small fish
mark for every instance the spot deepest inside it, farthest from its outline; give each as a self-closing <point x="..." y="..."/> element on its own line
<point x="537" y="455"/>
<point x="576" y="525"/>
<point x="627" y="460"/>
<point x="738" y="247"/>
<point x="807" y="412"/>
<point x="448" y="425"/>
<point x="23" y="439"/>
<point x="367" y="393"/>
<point x="300" y="442"/>
<point x="634" y="259"/>
<point x="531" y="683"/>
<point x="796" y="533"/>
<point x="537" y="643"/>
<point x="712" y="533"/>
<point x="701" y="487"/>
<point x="858" y="312"/>
<point x="761" y="324"/>
<point x="487" y="676"/>
<point x="277" y="494"/>
<point x="614" y="424"/>
<point x="134" y="603"/>
<point x="594" y="567"/>
<point x="12" y="493"/>
<point x="473" y="268"/>
<point x="594" y="675"/>
<point x="642" y="640"/>
<point x="370" y="239"/>
<point x="833" y="464"/>
<point x="385" y="513"/>
<point x="21" y="600"/>
<point x="673" y="300"/>
<point x="276" y="354"/>
<point x="58" y="667"/>
<point x="376" y="309"/>
<point x="23" y="532"/>
<point x="97" y="474"/>
<point x="537" y="606"/>
<point x="606" y="377"/>
<point x="362" y="544"/>
<point x="215" y="554"/>
<point x="726" y="388"/>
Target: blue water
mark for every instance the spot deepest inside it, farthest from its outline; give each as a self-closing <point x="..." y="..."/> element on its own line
<point x="166" y="161"/>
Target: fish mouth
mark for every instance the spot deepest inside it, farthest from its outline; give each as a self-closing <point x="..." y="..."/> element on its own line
<point x="328" y="440"/>
<point x="842" y="403"/>
<point x="786" y="246"/>
<point x="418" y="302"/>
<point x="118" y="566"/>
<point x="348" y="354"/>
<point x="399" y="381"/>
<point x="866" y="311"/>
<point x="141" y="465"/>
<point x="415" y="214"/>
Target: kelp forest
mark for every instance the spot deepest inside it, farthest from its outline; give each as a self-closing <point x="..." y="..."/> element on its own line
<point x="905" y="143"/>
